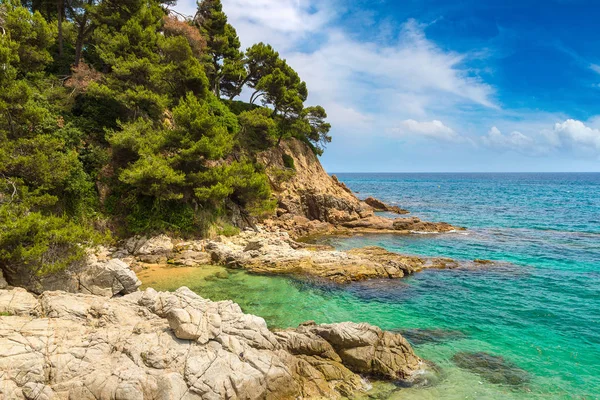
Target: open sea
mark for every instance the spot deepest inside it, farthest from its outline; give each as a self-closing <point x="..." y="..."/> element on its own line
<point x="527" y="327"/>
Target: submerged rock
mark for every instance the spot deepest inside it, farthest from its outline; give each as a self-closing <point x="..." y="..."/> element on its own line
<point x="494" y="369"/>
<point x="423" y="336"/>
<point x="151" y="345"/>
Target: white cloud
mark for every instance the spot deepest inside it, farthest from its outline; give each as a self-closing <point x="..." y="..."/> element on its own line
<point x="563" y="136"/>
<point x="514" y="141"/>
<point x="595" y="68"/>
<point x="362" y="84"/>
<point x="574" y="133"/>
<point x="434" y="130"/>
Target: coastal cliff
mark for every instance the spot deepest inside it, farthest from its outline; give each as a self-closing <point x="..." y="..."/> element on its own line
<point x="311" y="202"/>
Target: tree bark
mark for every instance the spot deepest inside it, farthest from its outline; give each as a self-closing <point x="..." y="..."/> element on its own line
<point x="61" y="12"/>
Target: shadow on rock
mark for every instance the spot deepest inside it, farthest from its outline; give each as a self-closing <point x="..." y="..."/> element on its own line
<point x="494" y="369"/>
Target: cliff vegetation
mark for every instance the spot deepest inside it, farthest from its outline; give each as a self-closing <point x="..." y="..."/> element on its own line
<point x="124" y="117"/>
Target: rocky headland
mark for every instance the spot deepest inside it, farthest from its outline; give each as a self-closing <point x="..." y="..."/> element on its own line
<point x="311" y="202"/>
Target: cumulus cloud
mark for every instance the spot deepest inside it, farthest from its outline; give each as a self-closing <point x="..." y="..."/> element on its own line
<point x="430" y="129"/>
<point x="576" y="134"/>
<point x="563" y="136"/>
<point x="514" y="141"/>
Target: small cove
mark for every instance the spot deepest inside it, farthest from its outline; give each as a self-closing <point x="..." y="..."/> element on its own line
<point x="539" y="311"/>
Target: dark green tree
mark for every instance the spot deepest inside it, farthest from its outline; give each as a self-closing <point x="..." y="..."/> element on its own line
<point x="224" y="66"/>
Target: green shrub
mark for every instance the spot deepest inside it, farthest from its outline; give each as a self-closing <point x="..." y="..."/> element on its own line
<point x="288" y="161"/>
<point x="42" y="244"/>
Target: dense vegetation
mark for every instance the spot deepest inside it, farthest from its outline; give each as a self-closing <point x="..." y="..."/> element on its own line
<point x="120" y="115"/>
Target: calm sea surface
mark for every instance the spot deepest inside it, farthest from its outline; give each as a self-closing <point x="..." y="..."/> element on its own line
<point x="539" y="308"/>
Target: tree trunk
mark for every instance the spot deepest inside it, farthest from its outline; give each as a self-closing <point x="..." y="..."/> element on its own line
<point x="81" y="32"/>
<point x="60" y="8"/>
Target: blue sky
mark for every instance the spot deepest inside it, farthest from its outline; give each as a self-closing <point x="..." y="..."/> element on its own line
<point x="442" y="85"/>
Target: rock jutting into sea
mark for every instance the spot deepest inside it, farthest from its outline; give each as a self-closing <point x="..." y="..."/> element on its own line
<point x="151" y="345"/>
<point x="311" y="202"/>
<point x="379" y="205"/>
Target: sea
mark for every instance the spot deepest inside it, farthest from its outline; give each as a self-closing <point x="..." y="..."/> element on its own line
<point x="525" y="327"/>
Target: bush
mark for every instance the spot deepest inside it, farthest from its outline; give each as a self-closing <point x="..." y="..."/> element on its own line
<point x="288" y="161"/>
<point x="42" y="244"/>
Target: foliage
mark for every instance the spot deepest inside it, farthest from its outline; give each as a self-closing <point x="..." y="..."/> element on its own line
<point x="42" y="244"/>
<point x="288" y="161"/>
<point x="111" y="112"/>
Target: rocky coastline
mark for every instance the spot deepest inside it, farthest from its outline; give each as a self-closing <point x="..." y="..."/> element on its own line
<point x="88" y="332"/>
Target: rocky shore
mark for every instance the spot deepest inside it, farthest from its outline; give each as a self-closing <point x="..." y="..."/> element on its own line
<point x="87" y="332"/>
<point x="150" y="345"/>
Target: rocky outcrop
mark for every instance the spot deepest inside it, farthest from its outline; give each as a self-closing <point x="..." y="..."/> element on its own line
<point x="379" y="205"/>
<point x="277" y="253"/>
<point x="3" y="283"/>
<point x="310" y="202"/>
<point x="93" y="275"/>
<point x="150" y="345"/>
<point x="310" y="192"/>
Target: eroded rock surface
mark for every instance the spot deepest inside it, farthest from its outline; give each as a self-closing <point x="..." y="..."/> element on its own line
<point x="276" y="253"/>
<point x="151" y="345"/>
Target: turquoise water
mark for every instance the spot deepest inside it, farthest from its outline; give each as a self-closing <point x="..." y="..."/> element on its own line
<point x="539" y="309"/>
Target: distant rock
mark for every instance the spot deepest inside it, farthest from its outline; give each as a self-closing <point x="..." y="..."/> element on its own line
<point x="494" y="369"/>
<point x="381" y="206"/>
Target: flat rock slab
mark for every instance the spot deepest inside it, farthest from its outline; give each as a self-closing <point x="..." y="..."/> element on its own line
<point x="276" y="253"/>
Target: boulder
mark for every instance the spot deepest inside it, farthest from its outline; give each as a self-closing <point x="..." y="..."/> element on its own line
<point x="104" y="277"/>
<point x="108" y="278"/>
<point x="158" y="245"/>
<point x="381" y="206"/>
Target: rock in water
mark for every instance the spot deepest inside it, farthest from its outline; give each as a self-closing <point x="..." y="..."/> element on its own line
<point x="381" y="206"/>
<point x="151" y="345"/>
<point x="494" y="369"/>
<point x="422" y="336"/>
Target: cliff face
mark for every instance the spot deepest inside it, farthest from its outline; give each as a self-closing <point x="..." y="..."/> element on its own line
<point x="308" y="191"/>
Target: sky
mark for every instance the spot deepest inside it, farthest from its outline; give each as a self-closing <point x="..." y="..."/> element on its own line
<point x="442" y="85"/>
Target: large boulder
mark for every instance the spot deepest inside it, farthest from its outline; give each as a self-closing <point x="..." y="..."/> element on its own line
<point x="151" y="345"/>
<point x="3" y="283"/>
<point x="108" y="278"/>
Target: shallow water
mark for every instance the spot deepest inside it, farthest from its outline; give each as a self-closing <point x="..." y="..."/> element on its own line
<point x="539" y="310"/>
